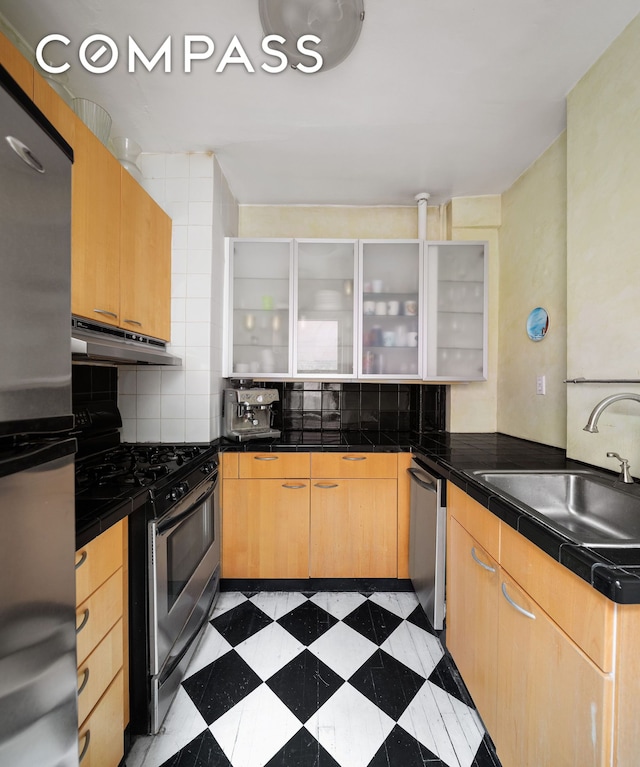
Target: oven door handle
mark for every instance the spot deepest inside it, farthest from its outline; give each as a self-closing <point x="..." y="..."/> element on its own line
<point x="167" y="524"/>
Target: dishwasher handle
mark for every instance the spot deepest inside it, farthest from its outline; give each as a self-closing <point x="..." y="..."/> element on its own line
<point x="423" y="480"/>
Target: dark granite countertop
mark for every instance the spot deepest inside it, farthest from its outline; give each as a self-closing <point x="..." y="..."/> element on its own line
<point x="94" y="516"/>
<point x="615" y="572"/>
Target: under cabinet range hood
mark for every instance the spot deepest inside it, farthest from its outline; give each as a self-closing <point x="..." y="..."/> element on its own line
<point x="95" y="343"/>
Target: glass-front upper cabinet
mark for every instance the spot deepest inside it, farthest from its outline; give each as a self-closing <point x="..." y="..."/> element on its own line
<point x="391" y="309"/>
<point x="259" y="315"/>
<point x="456" y="321"/>
<point x="325" y="292"/>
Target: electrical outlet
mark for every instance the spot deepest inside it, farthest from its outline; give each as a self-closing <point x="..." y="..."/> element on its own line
<point x="541" y="385"/>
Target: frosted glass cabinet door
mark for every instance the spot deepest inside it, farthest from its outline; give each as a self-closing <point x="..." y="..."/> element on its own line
<point x="324" y="337"/>
<point x="391" y="309"/>
<point x="456" y="311"/>
<point x="261" y="297"/>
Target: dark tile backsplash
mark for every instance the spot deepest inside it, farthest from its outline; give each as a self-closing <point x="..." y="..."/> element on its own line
<point x="93" y="383"/>
<point x="316" y="406"/>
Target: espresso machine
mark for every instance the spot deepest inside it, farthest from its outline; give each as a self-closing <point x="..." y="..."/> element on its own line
<point x="247" y="411"/>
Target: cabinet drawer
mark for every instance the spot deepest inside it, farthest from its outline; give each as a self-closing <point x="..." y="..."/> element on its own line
<point x="354" y="465"/>
<point x="581" y="612"/>
<point x="98" y="614"/>
<point x="273" y="465"/>
<point x="479" y="522"/>
<point x="100" y="739"/>
<point x="98" y="670"/>
<point x="96" y="561"/>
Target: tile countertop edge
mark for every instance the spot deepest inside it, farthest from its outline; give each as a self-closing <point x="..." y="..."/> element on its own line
<point x="617" y="577"/>
<point x="619" y="583"/>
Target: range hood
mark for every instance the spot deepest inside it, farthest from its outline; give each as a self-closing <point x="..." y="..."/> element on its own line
<point x="95" y="343"/>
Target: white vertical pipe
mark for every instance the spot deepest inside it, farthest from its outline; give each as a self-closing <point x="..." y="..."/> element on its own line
<point x="422" y="199"/>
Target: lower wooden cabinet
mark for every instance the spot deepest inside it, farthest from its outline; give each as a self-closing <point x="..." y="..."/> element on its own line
<point x="541" y="696"/>
<point x="319" y="515"/>
<point x="98" y="737"/>
<point x="354" y="528"/>
<point x="265" y="532"/>
<point x="473" y="582"/>
<point x="101" y="648"/>
<point x="554" y="705"/>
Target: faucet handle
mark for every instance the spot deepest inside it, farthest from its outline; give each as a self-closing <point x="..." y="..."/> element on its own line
<point x="625" y="475"/>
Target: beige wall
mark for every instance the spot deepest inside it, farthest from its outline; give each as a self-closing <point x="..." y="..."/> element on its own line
<point x="603" y="250"/>
<point x="333" y="221"/>
<point x="472" y="406"/>
<point x="533" y="273"/>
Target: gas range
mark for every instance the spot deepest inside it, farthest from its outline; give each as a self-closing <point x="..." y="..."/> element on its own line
<point x="111" y="474"/>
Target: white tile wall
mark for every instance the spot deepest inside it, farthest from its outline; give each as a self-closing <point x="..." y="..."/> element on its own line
<point x="183" y="404"/>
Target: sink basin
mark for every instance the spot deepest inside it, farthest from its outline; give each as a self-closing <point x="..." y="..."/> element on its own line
<point x="584" y="506"/>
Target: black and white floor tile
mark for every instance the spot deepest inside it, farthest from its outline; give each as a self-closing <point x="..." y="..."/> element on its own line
<point x="286" y="679"/>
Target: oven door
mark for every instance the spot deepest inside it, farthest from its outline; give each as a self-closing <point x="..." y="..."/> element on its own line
<point x="184" y="559"/>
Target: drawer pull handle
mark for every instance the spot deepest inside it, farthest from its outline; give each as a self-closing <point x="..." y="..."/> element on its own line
<point x="84" y="622"/>
<point x="474" y="556"/>
<point x="326" y="485"/>
<point x="265" y="458"/>
<point x="85" y="748"/>
<point x="524" y="612"/>
<point x="85" y="680"/>
<point x="354" y="457"/>
<point x="82" y="560"/>
<point x="134" y="322"/>
<point x="294" y="487"/>
<point x="104" y="311"/>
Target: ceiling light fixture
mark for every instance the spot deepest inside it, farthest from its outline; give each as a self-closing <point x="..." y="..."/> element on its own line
<point x="336" y="22"/>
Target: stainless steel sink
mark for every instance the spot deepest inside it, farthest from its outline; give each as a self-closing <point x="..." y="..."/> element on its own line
<point x="588" y="508"/>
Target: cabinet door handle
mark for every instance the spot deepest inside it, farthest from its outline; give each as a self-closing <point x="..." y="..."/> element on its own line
<point x="294" y="487"/>
<point x="354" y="457"/>
<point x="84" y="622"/>
<point x="265" y="458"/>
<point x="82" y="560"/>
<point x="475" y="558"/>
<point x="85" y="748"/>
<point x="524" y="612"/>
<point x="85" y="679"/>
<point x="104" y="311"/>
<point x="134" y="322"/>
<point x="326" y="485"/>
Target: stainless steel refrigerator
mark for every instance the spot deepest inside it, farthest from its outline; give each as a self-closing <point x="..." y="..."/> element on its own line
<point x="38" y="678"/>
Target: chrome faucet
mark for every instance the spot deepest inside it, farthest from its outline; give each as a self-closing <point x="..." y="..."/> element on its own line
<point x="592" y="427"/>
<point x="625" y="475"/>
<point x="603" y="405"/>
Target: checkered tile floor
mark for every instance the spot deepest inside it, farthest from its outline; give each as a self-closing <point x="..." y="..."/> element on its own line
<point x="283" y="679"/>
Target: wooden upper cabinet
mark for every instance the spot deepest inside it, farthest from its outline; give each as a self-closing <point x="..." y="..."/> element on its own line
<point x="16" y="65"/>
<point x="145" y="262"/>
<point x="59" y="114"/>
<point x="95" y="230"/>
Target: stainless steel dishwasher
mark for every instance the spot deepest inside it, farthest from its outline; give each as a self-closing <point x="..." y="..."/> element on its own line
<point x="427" y="541"/>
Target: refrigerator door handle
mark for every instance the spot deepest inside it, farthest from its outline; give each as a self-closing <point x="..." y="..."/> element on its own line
<point x="22" y="461"/>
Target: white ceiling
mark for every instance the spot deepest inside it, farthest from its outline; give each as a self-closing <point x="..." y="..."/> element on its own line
<point x="452" y="97"/>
